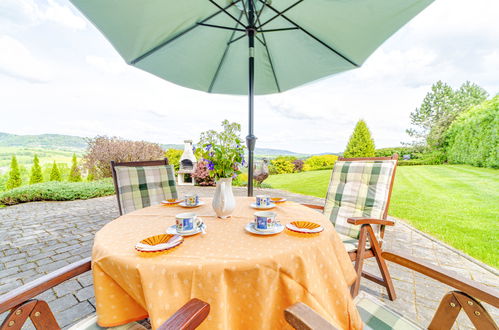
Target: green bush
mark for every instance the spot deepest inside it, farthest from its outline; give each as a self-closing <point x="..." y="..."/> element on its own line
<point x="473" y="138"/>
<point x="282" y="165"/>
<point x="433" y="158"/>
<point x="414" y="152"/>
<point x="173" y="156"/>
<point x="57" y="191"/>
<point x="322" y="162"/>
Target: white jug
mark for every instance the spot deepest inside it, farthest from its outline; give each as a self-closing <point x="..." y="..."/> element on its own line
<point x="223" y="201"/>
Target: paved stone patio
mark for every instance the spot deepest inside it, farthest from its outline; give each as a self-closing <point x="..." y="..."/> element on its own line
<point x="37" y="238"/>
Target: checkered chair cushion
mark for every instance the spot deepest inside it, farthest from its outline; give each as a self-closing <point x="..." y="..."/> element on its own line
<point x="377" y="316"/>
<point x="143" y="186"/>
<point x="358" y="189"/>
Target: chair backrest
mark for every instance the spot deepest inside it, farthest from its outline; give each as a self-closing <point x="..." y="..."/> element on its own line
<point x="359" y="187"/>
<point x="144" y="183"/>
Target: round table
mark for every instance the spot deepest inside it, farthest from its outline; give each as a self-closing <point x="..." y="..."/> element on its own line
<point x="247" y="279"/>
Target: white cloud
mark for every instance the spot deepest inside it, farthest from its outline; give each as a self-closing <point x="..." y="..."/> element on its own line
<point x="31" y="13"/>
<point x="17" y="61"/>
<point x="114" y="66"/>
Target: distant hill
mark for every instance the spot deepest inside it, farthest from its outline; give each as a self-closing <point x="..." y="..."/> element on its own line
<point x="57" y="146"/>
<point x="48" y="141"/>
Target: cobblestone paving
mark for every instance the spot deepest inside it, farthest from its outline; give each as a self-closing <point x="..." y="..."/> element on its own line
<point x="37" y="238"/>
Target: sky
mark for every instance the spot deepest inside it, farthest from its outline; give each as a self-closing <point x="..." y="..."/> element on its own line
<point x="58" y="74"/>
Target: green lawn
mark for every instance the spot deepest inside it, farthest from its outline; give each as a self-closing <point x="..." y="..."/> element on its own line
<point x="458" y="204"/>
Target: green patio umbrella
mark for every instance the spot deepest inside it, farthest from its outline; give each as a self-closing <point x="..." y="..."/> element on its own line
<point x="247" y="46"/>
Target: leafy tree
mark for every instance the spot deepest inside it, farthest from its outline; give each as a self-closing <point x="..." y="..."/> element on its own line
<point x="173" y="156"/>
<point x="55" y="174"/>
<point x="36" y="172"/>
<point x="320" y="162"/>
<point x="361" y="143"/>
<point x="439" y="109"/>
<point x="282" y="164"/>
<point x="74" y="173"/>
<point x="14" y="179"/>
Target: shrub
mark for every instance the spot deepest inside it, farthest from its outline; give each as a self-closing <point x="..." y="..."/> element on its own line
<point x="173" y="156"/>
<point x="102" y="150"/>
<point x="360" y="144"/>
<point x="57" y="191"/>
<point x="14" y="179"/>
<point x="74" y="173"/>
<point x="298" y="164"/>
<point x="321" y="162"/>
<point x="202" y="174"/>
<point x="414" y="152"/>
<point x="473" y="138"/>
<point x="55" y="175"/>
<point x="36" y="172"/>
<point x="241" y="180"/>
<point x="281" y="165"/>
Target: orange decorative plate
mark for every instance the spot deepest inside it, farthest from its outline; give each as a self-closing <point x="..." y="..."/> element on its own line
<point x="305" y="227"/>
<point x="277" y="200"/>
<point x="159" y="243"/>
<point x="170" y="202"/>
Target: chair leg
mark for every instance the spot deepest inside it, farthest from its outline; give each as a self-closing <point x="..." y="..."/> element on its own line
<point x="385" y="274"/>
<point x="359" y="261"/>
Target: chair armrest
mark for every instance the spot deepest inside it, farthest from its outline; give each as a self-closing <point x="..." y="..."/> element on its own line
<point x="474" y="289"/>
<point x="369" y="221"/>
<point x="189" y="316"/>
<point x="313" y="206"/>
<point x="34" y="288"/>
<point x="302" y="317"/>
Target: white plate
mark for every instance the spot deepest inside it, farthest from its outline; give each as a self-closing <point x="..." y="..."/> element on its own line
<point x="250" y="227"/>
<point x="174" y="241"/>
<point x="304" y="230"/>
<point x="173" y="230"/>
<point x="268" y="207"/>
<point x="187" y="206"/>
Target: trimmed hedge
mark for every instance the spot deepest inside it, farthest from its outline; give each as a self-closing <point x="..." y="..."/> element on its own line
<point x="57" y="191"/>
<point x="473" y="138"/>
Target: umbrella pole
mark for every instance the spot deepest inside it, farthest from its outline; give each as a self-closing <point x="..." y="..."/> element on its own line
<point x="251" y="138"/>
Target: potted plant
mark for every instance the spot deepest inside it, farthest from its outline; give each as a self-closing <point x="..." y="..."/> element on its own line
<point x="224" y="154"/>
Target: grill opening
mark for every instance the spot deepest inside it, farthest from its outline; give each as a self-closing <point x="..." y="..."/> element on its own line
<point x="186" y="164"/>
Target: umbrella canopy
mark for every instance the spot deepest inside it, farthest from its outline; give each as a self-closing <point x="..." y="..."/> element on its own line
<point x="203" y="44"/>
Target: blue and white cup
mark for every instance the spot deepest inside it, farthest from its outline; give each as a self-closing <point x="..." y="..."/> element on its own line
<point x="262" y="200"/>
<point x="191" y="199"/>
<point x="265" y="220"/>
<point x="187" y="222"/>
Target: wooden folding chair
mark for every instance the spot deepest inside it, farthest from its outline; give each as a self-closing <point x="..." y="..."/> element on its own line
<point x="144" y="183"/>
<point x="357" y="204"/>
<point x="378" y="316"/>
<point x="22" y="305"/>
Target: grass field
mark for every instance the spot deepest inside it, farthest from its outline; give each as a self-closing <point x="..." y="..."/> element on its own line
<point x="458" y="204"/>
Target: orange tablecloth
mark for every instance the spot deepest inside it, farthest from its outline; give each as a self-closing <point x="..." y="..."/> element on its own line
<point x="247" y="279"/>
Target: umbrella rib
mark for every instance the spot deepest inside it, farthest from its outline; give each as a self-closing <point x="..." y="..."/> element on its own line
<point x="221" y="27"/>
<point x="313" y="37"/>
<point x="222" y="59"/>
<point x="278" y="30"/>
<point x="279" y="14"/>
<point x="226" y="12"/>
<point x="270" y="60"/>
<point x="158" y="47"/>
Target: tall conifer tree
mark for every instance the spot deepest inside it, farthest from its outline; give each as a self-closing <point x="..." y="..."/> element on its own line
<point x="55" y="174"/>
<point x="74" y="173"/>
<point x="361" y="143"/>
<point x="36" y="172"/>
<point x="14" y="179"/>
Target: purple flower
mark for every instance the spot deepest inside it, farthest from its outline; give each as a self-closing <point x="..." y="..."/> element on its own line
<point x="234" y="175"/>
<point x="208" y="147"/>
<point x="211" y="166"/>
<point x="212" y="154"/>
<point x="243" y="163"/>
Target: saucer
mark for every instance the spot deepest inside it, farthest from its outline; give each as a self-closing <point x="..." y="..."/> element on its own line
<point x="268" y="207"/>
<point x="250" y="227"/>
<point x="305" y="227"/>
<point x="182" y="204"/>
<point x="173" y="231"/>
<point x="171" y="202"/>
<point x="158" y="243"/>
<point x="277" y="200"/>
